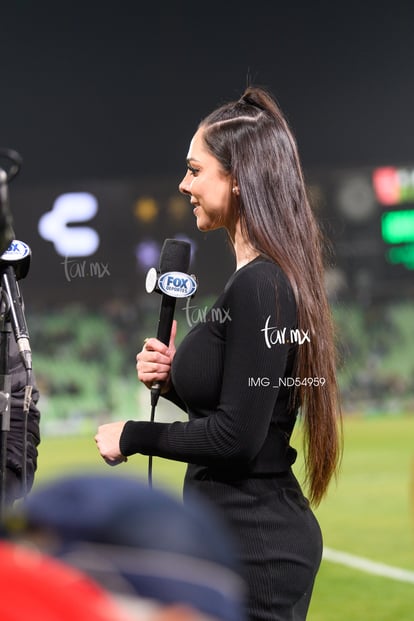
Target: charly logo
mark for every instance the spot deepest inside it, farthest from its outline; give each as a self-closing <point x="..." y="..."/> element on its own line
<point x="177" y="284"/>
<point x="60" y="224"/>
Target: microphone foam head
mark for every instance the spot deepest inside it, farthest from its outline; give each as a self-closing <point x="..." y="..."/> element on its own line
<point x="175" y="256"/>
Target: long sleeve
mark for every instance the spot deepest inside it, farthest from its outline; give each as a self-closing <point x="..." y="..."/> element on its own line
<point x="228" y="372"/>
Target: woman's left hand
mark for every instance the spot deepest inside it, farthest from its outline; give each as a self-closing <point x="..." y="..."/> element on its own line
<point x="107" y="440"/>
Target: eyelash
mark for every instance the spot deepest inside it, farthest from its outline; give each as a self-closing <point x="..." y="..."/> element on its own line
<point x="192" y="170"/>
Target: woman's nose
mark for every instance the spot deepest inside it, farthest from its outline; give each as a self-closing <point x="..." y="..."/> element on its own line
<point x="184" y="186"/>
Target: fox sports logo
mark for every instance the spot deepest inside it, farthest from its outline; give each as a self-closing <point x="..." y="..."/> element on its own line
<point x="17" y="250"/>
<point x="177" y="284"/>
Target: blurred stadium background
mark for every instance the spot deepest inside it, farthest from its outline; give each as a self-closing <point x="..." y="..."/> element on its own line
<point x="101" y="104"/>
<point x="89" y="311"/>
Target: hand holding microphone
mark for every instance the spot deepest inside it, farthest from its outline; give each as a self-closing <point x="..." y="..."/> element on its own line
<point x="173" y="282"/>
<point x="155" y="359"/>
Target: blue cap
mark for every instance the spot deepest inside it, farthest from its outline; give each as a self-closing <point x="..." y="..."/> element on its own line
<point x="140" y="541"/>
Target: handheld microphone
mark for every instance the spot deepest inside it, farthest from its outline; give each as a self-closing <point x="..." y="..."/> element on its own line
<point x="172" y="281"/>
<point x="6" y="220"/>
<point x="14" y="265"/>
<point x="12" y="164"/>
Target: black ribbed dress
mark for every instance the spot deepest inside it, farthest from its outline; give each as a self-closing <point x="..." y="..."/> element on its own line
<point x="230" y="374"/>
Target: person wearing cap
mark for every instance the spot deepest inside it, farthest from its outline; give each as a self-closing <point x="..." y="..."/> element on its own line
<point x="37" y="587"/>
<point x="144" y="546"/>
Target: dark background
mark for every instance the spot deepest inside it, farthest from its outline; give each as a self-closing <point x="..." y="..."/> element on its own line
<point x="95" y="93"/>
<point x="105" y="97"/>
<point x="107" y="89"/>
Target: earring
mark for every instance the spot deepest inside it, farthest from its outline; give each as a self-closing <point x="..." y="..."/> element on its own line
<point x="236" y="190"/>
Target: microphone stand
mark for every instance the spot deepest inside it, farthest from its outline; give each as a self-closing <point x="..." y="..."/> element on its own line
<point x="17" y="320"/>
<point x="11" y="320"/>
<point x="11" y="317"/>
<point x="5" y="330"/>
<point x="5" y="392"/>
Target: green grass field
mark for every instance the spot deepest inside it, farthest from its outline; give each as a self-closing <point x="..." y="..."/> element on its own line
<point x="369" y="512"/>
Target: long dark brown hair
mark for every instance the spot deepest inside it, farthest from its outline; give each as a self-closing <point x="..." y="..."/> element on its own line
<point x="253" y="142"/>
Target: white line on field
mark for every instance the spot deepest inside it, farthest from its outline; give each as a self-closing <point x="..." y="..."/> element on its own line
<point x="364" y="564"/>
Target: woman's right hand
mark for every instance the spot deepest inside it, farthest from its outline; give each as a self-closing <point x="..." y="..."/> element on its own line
<point x="155" y="359"/>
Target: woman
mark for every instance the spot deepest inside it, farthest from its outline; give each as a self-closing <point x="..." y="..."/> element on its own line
<point x="243" y="380"/>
